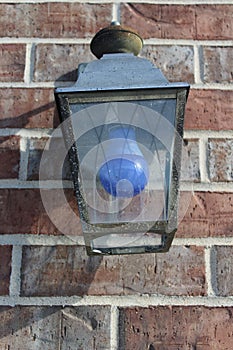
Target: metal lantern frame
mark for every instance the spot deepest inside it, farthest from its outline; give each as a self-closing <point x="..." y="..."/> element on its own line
<point x="123" y="77"/>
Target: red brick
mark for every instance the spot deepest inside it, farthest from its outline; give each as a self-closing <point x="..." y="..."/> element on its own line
<point x="5" y="269"/>
<point x="27" y="108"/>
<point x="160" y="21"/>
<point x="220" y="159"/>
<point x="60" y="61"/>
<point x="66" y="271"/>
<point x="50" y="168"/>
<point x="176" y="62"/>
<point x="12" y="62"/>
<point x="9" y="157"/>
<point x="218" y="66"/>
<point x="208" y="215"/>
<point x="224" y="271"/>
<point x="55" y="327"/>
<point x="22" y="212"/>
<point x="58" y="20"/>
<point x="214" y="22"/>
<point x="202" y="22"/>
<point x="209" y="109"/>
<point x="176" y="327"/>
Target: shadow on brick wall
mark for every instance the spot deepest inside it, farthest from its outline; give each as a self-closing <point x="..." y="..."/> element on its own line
<point x="58" y="271"/>
<point x="32" y="107"/>
<point x="55" y="327"/>
<point x="15" y="319"/>
<point x="23" y="209"/>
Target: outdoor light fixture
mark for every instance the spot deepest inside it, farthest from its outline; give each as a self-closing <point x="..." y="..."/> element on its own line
<point x="123" y="126"/>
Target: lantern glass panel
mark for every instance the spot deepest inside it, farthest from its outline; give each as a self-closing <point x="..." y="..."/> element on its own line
<point x="115" y="133"/>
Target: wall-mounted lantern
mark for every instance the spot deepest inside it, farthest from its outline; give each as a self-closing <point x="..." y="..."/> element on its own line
<point x="123" y="125"/>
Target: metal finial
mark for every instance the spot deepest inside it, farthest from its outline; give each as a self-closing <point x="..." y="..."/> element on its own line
<point x="116" y="39"/>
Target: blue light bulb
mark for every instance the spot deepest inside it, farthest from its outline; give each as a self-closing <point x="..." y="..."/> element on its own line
<point x="125" y="173"/>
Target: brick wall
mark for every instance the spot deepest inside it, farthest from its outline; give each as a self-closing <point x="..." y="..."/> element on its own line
<point x="52" y="296"/>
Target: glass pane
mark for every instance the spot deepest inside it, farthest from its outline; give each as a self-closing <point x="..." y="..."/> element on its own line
<point x="124" y="151"/>
<point x="126" y="241"/>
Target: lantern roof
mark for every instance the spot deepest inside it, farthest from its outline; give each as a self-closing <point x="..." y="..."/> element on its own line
<point x="118" y="68"/>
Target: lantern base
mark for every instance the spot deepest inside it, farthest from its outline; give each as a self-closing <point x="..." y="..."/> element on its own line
<point x="128" y="243"/>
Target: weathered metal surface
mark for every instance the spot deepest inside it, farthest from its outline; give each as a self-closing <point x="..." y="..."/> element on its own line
<point x="119" y="72"/>
<point x="116" y="39"/>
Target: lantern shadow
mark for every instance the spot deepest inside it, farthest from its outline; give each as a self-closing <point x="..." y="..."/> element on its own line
<point x="33" y="219"/>
<point x="23" y="120"/>
<point x="14" y="319"/>
<point x="57" y="271"/>
<point x="50" y="327"/>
